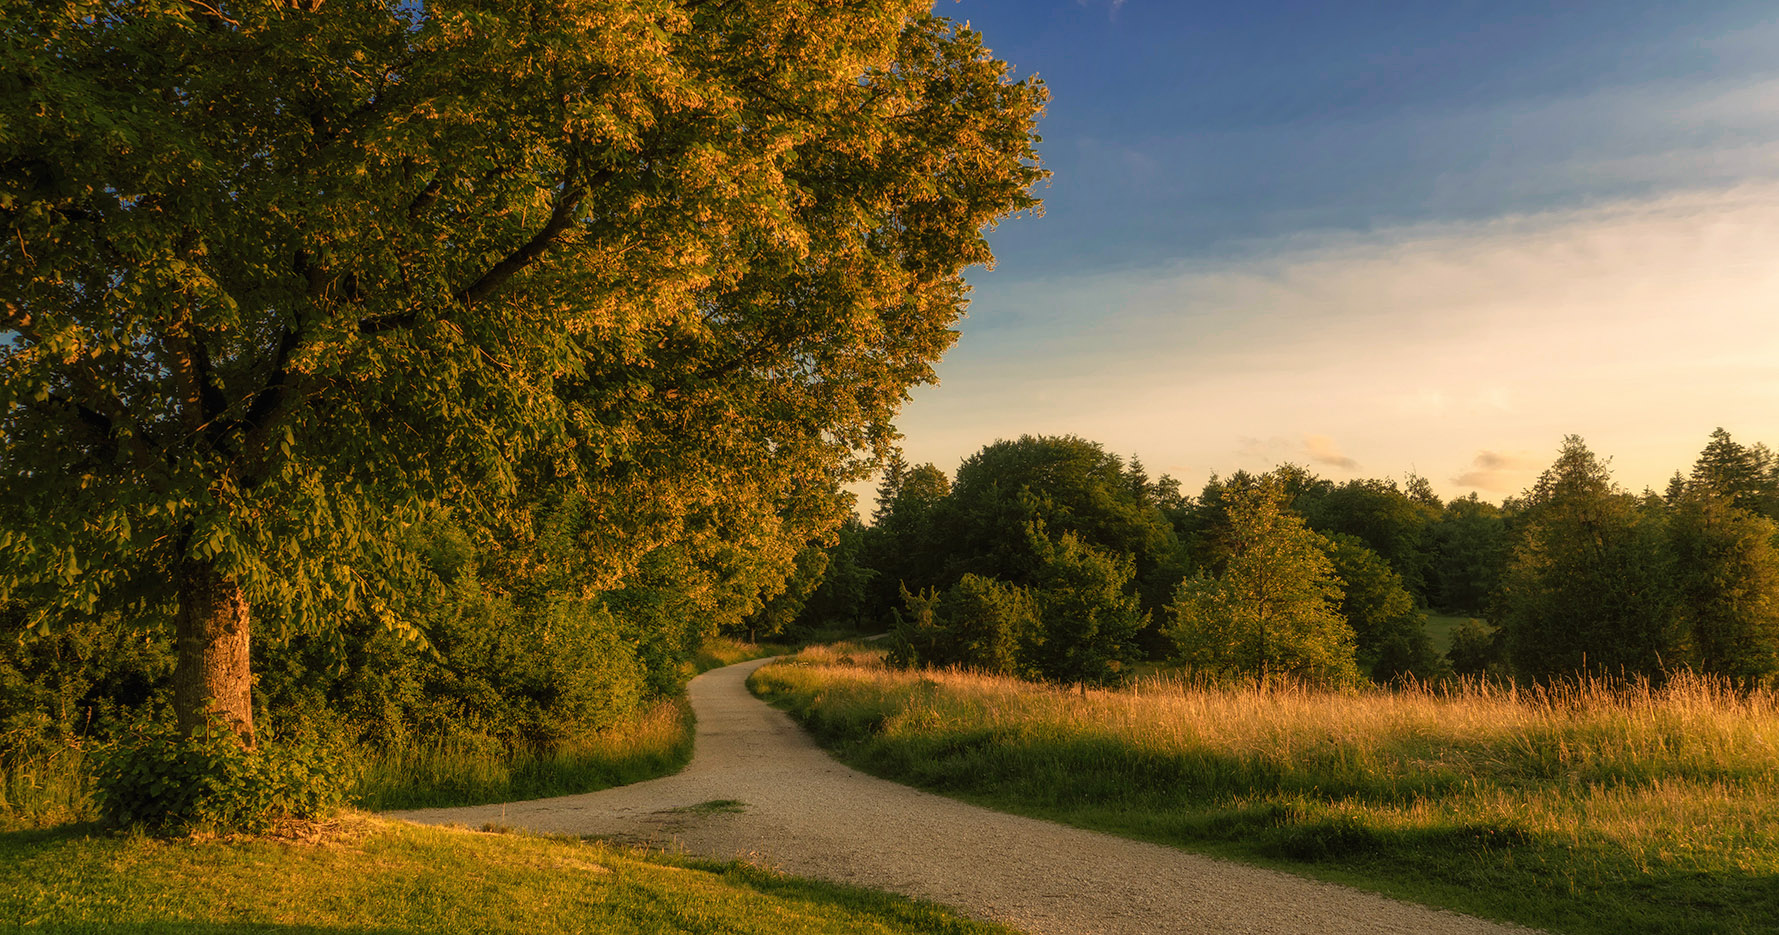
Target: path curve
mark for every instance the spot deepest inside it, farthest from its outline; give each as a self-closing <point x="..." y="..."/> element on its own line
<point x="803" y="812"/>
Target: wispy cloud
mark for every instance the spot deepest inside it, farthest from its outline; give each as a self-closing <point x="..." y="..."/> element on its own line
<point x="1112" y="6"/>
<point x="1497" y="472"/>
<point x="1323" y="450"/>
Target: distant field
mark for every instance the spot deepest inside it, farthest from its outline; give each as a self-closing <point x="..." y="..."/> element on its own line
<point x="1585" y="809"/>
<point x="367" y="875"/>
<point x="1439" y="629"/>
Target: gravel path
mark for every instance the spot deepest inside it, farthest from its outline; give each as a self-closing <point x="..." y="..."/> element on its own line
<point x="759" y="789"/>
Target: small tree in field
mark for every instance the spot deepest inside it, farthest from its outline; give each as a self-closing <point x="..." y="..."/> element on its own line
<point x="1090" y="615"/>
<point x="1274" y="607"/>
<point x="994" y="625"/>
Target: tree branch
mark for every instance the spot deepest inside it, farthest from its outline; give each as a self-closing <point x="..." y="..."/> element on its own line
<point x="497" y="275"/>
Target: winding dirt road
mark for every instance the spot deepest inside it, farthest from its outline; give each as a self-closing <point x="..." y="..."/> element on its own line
<point x="759" y="789"/>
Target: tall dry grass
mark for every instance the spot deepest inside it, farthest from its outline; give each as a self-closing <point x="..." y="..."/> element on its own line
<point x="434" y="774"/>
<point x="1587" y="805"/>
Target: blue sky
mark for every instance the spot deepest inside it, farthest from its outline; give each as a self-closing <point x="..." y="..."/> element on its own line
<point x="1381" y="237"/>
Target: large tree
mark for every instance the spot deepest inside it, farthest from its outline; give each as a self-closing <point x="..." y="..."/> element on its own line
<point x="278" y="278"/>
<point x="1066" y="484"/>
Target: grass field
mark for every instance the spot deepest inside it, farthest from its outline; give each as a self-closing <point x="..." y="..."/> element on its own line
<point x="1583" y="809"/>
<point x="1439" y="630"/>
<point x="371" y="876"/>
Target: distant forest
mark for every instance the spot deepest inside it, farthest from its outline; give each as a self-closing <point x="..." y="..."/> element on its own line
<point x="1051" y="558"/>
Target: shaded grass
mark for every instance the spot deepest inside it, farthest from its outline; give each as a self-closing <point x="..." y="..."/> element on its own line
<point x="1439" y="631"/>
<point x="447" y="774"/>
<point x="366" y="875"/>
<point x="1585" y="809"/>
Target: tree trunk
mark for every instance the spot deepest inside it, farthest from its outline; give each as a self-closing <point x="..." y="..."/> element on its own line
<point x="212" y="673"/>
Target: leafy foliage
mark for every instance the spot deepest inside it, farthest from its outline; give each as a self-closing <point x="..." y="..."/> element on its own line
<point x="163" y="779"/>
<point x="1272" y="609"/>
<point x="978" y="624"/>
<point x="1090" y="617"/>
<point x="1476" y="650"/>
<point x="1589" y="588"/>
<point x="650" y="279"/>
<point x="1726" y="568"/>
<point x="1068" y="485"/>
<point x="1389" y="631"/>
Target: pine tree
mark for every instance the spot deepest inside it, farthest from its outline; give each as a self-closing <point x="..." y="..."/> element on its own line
<point x="1589" y="587"/>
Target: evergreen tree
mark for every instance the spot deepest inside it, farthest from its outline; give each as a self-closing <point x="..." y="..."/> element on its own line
<point x="841" y="598"/>
<point x="1589" y="587"/>
<point x="1744" y="475"/>
<point x="1090" y="619"/>
<point x="1727" y="573"/>
<point x="904" y="548"/>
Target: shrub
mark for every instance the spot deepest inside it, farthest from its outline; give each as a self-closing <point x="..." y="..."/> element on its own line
<point x="160" y="780"/>
<point x="1476" y="649"/>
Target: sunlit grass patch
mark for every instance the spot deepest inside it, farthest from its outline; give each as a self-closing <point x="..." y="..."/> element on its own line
<point x="1586" y="807"/>
<point x="374" y="875"/>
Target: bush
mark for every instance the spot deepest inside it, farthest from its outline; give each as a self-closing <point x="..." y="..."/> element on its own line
<point x="1476" y="650"/>
<point x="160" y="780"/>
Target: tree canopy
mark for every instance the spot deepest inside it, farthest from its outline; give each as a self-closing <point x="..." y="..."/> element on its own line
<point x="280" y="280"/>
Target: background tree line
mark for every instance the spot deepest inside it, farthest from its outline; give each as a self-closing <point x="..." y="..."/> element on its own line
<point x="1051" y="558"/>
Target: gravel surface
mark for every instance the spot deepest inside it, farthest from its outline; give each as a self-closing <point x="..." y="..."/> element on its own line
<point x="759" y="789"/>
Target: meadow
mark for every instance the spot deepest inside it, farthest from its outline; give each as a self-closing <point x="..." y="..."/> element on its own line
<point x="1439" y="630"/>
<point x="1583" y="807"/>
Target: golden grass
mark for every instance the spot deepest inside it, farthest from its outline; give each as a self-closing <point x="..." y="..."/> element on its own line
<point x="1609" y="789"/>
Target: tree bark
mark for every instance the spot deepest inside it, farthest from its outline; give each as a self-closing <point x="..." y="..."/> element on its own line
<point x="212" y="674"/>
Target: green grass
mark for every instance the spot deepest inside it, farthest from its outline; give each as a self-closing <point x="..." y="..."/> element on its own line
<point x="1586" y="809"/>
<point x="1439" y="630"/>
<point x="366" y="875"/>
<point x="445" y="775"/>
<point x="54" y="788"/>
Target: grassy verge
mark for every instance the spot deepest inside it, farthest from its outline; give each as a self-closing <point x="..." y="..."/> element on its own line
<point x="720" y="651"/>
<point x="443" y="775"/>
<point x="54" y="788"/>
<point x="367" y="875"/>
<point x="1585" y="809"/>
